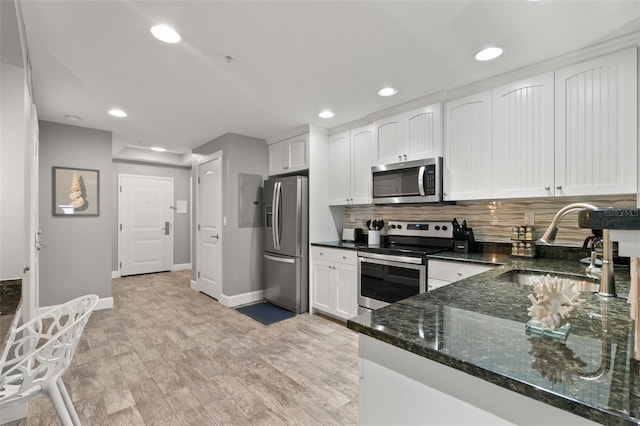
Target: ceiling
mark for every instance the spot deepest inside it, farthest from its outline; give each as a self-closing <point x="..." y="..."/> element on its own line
<point x="291" y="59"/>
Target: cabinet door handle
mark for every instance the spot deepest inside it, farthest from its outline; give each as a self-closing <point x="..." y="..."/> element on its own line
<point x="559" y="187"/>
<point x="399" y="157"/>
<point x="547" y="188"/>
<point x="405" y="157"/>
<point x="459" y="274"/>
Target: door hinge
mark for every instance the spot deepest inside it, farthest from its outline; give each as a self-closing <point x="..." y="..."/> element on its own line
<point x="198" y="274"/>
<point x="198" y="227"/>
<point x="121" y="227"/>
<point x="120" y="188"/>
<point x="120" y="265"/>
<point x="198" y="180"/>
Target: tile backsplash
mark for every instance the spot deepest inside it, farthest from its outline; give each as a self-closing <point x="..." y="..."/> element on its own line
<point x="492" y="220"/>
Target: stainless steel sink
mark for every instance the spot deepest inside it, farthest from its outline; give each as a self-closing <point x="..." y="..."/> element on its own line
<point x="582" y="284"/>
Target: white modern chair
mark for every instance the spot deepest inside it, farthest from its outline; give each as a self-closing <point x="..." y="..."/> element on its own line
<point x="38" y="353"/>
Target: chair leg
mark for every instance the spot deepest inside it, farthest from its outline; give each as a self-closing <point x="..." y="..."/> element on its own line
<point x="68" y="403"/>
<point x="58" y="403"/>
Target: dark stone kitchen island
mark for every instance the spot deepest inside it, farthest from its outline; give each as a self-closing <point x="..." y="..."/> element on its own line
<point x="461" y="355"/>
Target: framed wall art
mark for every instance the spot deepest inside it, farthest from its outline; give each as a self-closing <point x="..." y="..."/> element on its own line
<point x="75" y="192"/>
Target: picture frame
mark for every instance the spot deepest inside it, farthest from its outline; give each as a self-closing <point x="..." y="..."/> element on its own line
<point x="75" y="192"/>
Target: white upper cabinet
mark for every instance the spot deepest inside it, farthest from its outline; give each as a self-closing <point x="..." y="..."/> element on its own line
<point x="596" y="119"/>
<point x="423" y="132"/>
<point x="290" y="155"/>
<point x="361" y="154"/>
<point x="350" y="167"/>
<point x="409" y="136"/>
<point x="467" y="151"/>
<point x="523" y="148"/>
<point x="339" y="169"/>
<point x="389" y="140"/>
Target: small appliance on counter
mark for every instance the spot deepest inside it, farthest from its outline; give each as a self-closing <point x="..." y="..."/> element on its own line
<point x="463" y="239"/>
<point x="351" y="235"/>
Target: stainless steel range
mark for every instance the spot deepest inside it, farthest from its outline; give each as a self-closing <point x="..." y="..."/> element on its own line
<point x="397" y="269"/>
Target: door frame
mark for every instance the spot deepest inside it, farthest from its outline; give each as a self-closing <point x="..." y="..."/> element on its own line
<point x="119" y="222"/>
<point x="199" y="163"/>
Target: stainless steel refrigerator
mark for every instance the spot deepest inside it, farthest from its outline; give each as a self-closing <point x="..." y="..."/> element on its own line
<point x="286" y="243"/>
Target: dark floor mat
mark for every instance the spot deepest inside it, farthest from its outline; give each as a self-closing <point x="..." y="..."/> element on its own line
<point x="265" y="312"/>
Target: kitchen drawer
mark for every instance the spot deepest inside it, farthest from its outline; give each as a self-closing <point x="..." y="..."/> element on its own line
<point x="335" y="255"/>
<point x="453" y="271"/>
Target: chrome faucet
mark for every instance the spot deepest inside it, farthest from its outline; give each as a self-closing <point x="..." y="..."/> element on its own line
<point x="607" y="285"/>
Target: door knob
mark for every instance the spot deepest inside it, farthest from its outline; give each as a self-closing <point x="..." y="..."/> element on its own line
<point x="25" y="269"/>
<point x="217" y="236"/>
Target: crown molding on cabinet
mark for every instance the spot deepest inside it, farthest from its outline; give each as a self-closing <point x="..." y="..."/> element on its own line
<point x="300" y="130"/>
<point x="580" y="55"/>
<point x="350" y="125"/>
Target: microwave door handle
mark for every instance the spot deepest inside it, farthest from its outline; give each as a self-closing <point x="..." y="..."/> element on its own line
<point x="421" y="181"/>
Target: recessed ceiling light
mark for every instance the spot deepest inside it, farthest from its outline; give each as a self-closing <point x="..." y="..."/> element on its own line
<point x="387" y="91"/>
<point x="73" y="117"/>
<point x="489" y="53"/>
<point x="326" y="114"/>
<point x="158" y="148"/>
<point x="165" y="33"/>
<point x="117" y="112"/>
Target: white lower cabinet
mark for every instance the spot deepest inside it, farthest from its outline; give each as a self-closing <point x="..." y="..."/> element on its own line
<point x="334" y="282"/>
<point x="443" y="272"/>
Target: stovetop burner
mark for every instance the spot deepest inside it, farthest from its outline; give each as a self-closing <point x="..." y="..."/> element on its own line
<point x="415" y="239"/>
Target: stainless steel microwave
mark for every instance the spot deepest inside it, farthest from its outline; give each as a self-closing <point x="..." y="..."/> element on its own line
<point x="411" y="182"/>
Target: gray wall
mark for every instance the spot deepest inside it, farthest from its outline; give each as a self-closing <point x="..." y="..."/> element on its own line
<point x="241" y="247"/>
<point x="12" y="170"/>
<point x="181" y="191"/>
<point x="12" y="145"/>
<point x="77" y="259"/>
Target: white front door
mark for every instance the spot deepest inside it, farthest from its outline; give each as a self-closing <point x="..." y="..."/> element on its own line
<point x="146" y="224"/>
<point x="209" y="276"/>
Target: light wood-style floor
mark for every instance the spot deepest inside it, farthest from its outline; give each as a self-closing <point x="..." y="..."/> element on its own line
<point x="168" y="355"/>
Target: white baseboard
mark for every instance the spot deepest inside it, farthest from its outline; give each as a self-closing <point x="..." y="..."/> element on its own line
<point x="181" y="267"/>
<point x="241" y="299"/>
<point x="103" y="303"/>
<point x="194" y="285"/>
<point x="115" y="274"/>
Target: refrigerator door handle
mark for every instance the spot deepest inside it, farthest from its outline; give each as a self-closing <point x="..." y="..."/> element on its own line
<point x="274" y="215"/>
<point x="279" y="259"/>
<point x="277" y="212"/>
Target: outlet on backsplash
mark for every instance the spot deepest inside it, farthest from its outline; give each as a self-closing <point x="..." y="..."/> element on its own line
<point x="529" y="218"/>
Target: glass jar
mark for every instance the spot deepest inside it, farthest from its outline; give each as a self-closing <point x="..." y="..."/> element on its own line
<point x="529" y="234"/>
<point x="514" y="249"/>
<point x="514" y="233"/>
<point x="522" y="233"/>
<point x="528" y="249"/>
<point x="521" y="249"/>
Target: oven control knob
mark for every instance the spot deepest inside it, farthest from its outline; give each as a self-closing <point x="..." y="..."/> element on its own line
<point x="437" y="227"/>
<point x="399" y="226"/>
<point x="444" y="227"/>
<point x="393" y="226"/>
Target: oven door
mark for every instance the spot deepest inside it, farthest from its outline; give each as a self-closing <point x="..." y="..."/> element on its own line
<point x="385" y="281"/>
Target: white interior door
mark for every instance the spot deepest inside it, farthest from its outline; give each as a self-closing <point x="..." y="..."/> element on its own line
<point x="32" y="234"/>
<point x="146" y="224"/>
<point x="209" y="276"/>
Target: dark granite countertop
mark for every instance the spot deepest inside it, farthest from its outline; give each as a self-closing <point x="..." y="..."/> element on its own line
<point x="477" y="325"/>
<point x="340" y="245"/>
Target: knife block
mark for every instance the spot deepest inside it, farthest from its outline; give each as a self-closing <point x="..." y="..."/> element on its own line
<point x="465" y="242"/>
